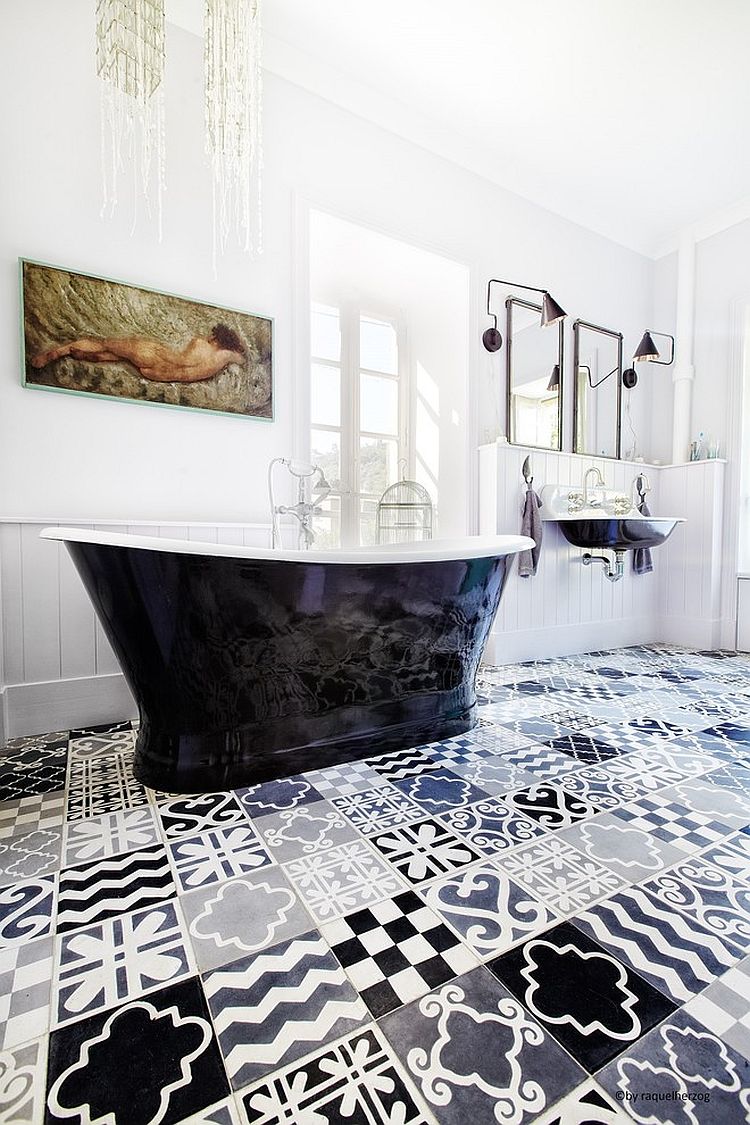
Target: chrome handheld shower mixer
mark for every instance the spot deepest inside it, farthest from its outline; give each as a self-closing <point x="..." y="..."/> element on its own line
<point x="310" y="496"/>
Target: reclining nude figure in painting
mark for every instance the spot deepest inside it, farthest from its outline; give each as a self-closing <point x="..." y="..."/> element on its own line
<point x="202" y="358"/>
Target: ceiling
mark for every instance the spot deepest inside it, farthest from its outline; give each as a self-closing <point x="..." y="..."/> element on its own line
<point x="628" y="118"/>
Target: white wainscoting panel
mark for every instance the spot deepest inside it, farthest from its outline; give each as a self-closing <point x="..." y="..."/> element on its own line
<point x="567" y="607"/>
<point x="57" y="667"/>
<point x="691" y="575"/>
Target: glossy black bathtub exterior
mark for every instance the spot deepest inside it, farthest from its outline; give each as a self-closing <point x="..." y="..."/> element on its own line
<point x="249" y="669"/>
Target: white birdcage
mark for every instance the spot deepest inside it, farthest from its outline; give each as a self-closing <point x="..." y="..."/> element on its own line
<point x="404" y="513"/>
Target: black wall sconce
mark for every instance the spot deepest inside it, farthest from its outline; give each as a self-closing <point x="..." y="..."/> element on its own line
<point x="647" y="352"/>
<point x="551" y="313"/>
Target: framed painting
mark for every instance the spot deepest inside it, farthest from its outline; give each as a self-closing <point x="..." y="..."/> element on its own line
<point x="93" y="336"/>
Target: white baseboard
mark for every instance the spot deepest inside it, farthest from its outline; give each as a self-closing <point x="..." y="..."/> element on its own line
<point x="563" y="640"/>
<point x="692" y="632"/>
<point x="65" y="705"/>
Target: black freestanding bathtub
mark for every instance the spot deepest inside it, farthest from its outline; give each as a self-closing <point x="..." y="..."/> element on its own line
<point x="249" y="664"/>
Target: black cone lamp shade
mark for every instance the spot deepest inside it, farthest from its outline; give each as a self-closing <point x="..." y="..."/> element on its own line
<point x="551" y="311"/>
<point x="554" y="379"/>
<point x="647" y="351"/>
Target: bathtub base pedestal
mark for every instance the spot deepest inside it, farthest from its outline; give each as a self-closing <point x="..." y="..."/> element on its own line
<point x="196" y="762"/>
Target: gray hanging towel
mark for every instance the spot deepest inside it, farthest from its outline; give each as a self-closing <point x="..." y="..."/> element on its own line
<point x="531" y="525"/>
<point x="642" y="561"/>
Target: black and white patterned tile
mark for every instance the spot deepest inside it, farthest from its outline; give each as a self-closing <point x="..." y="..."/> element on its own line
<point x="440" y="790"/>
<point x="22" y="1073"/>
<point x="269" y="1008"/>
<point x="101" y="966"/>
<point x="93" y="892"/>
<point x="560" y="875"/>
<point x="278" y="796"/>
<point x="31" y="854"/>
<point x="495" y="775"/>
<point x="304" y="830"/>
<point x="102" y="743"/>
<point x="724" y="1008"/>
<point x="342" y="879"/>
<point x="88" y="1082"/>
<point x="188" y="816"/>
<point x="586" y="998"/>
<point x="402" y="763"/>
<point x="673" y="821"/>
<point x="395" y="951"/>
<point x="677" y="956"/>
<point x="25" y="984"/>
<point x="26" y="911"/>
<point x="97" y="837"/>
<point x="43" y="811"/>
<point x="490" y="826"/>
<point x="102" y="785"/>
<point x="600" y="788"/>
<point x="463" y="851"/>
<point x="214" y="856"/>
<point x="475" y="1054"/>
<point x="587" y="1105"/>
<point x="353" y="1080"/>
<point x="630" y="852"/>
<point x="424" y="850"/>
<point x="709" y="895"/>
<point x="242" y="916"/>
<point x="372" y="810"/>
<point x="550" y="806"/>
<point x="351" y="777"/>
<point x="488" y="909"/>
<point x="680" y="1074"/>
<point x="540" y="761"/>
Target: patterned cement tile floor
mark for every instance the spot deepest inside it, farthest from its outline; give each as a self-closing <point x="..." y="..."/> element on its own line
<point x="546" y="919"/>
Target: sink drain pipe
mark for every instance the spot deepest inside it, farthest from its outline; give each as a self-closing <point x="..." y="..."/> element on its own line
<point x="613" y="570"/>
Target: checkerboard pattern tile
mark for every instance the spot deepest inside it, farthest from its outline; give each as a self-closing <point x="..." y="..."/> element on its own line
<point x="395" y="951"/>
<point x="566" y="885"/>
<point x="674" y="823"/>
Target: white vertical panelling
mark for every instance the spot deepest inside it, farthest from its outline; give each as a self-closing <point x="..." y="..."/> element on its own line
<point x="77" y="622"/>
<point x="679" y="601"/>
<point x="12" y="610"/>
<point x="49" y="629"/>
<point x="40" y="606"/>
<point x="690" y="582"/>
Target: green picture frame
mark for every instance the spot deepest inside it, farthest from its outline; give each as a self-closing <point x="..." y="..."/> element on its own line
<point x="82" y="334"/>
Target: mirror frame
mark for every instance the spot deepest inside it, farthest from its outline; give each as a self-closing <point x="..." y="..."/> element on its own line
<point x="509" y="303"/>
<point x="577" y="325"/>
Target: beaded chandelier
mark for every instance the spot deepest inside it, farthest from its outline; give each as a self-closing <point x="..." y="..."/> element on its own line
<point x="130" y="56"/>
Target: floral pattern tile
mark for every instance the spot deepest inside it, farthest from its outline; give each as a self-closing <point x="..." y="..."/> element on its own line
<point x="101" y="966"/>
<point x="342" y="879"/>
<point x="217" y="855"/>
<point x="559" y="874"/>
<point x="375" y="809"/>
<point x="424" y="850"/>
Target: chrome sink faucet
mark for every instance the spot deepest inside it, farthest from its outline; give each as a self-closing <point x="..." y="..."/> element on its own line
<point x="592" y="502"/>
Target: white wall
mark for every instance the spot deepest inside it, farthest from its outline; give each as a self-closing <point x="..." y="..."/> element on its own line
<point x="96" y="459"/>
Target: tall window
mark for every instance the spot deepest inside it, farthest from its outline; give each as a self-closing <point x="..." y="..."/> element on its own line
<point x="358" y="416"/>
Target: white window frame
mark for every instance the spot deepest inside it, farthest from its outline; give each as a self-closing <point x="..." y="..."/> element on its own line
<point x="349" y="490"/>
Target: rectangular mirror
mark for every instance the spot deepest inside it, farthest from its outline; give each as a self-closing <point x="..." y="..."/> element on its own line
<point x="597" y="389"/>
<point x="534" y="376"/>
